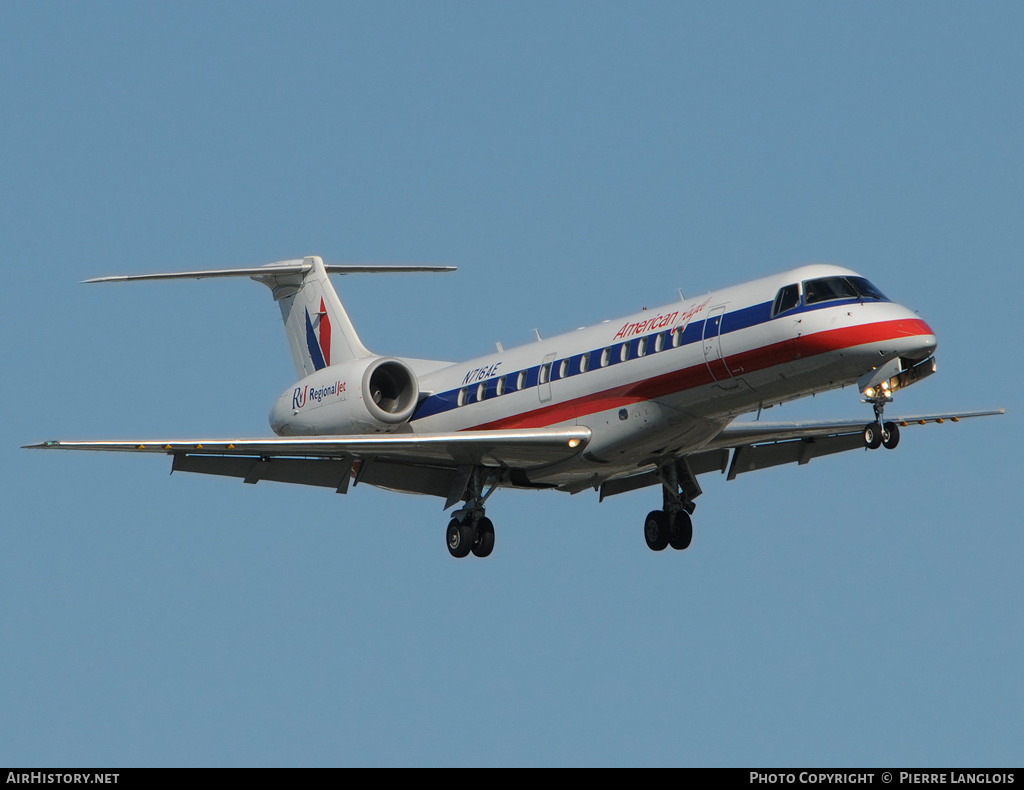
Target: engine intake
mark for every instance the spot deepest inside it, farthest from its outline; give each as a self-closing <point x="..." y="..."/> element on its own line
<point x="390" y="390"/>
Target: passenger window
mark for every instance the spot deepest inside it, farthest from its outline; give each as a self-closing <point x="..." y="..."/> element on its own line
<point x="641" y="347"/>
<point x="563" y="369"/>
<point x="677" y="338"/>
<point x="623" y="352"/>
<point x="481" y="391"/>
<point x="606" y="357"/>
<point x="545" y="373"/>
<point x="499" y="387"/>
<point x="521" y="380"/>
<point x="462" y="396"/>
<point x="786" y="299"/>
<point x="584" y="363"/>
<point x="659" y="342"/>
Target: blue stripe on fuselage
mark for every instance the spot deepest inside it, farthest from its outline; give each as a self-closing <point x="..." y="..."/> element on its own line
<point x="744" y="318"/>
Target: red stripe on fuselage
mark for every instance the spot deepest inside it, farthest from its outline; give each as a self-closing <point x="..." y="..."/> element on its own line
<point x="699" y="375"/>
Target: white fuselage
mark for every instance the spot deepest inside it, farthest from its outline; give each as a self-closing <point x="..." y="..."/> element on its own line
<point x="662" y="381"/>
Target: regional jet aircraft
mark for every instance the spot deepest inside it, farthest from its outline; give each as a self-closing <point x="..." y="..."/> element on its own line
<point x="651" y="399"/>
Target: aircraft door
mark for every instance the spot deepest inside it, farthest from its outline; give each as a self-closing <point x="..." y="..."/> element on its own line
<point x="712" y="342"/>
<point x="544" y="378"/>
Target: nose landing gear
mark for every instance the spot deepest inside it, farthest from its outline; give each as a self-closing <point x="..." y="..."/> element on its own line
<point x="878" y="433"/>
<point x="886" y="435"/>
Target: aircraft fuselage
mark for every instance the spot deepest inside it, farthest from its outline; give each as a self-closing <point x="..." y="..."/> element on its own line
<point x="658" y="382"/>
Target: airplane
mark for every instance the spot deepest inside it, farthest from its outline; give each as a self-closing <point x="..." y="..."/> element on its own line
<point x="651" y="399"/>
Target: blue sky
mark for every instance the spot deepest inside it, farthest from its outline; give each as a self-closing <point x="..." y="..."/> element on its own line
<point x="576" y="161"/>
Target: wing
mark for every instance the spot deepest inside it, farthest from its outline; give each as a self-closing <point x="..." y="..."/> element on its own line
<point x="747" y="446"/>
<point x="757" y="445"/>
<point x="433" y="463"/>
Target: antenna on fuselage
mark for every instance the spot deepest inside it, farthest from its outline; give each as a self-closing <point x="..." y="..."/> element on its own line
<point x="537" y="333"/>
<point x="681" y="297"/>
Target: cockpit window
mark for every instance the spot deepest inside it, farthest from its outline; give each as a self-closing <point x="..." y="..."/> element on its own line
<point x="829" y="288"/>
<point x="786" y="299"/>
<point x="867" y="290"/>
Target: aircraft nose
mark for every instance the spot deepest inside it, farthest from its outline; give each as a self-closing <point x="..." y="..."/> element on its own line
<point x="920" y="338"/>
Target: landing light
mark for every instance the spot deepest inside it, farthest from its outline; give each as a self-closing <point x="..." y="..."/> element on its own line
<point x="883" y="390"/>
<point x="574" y="442"/>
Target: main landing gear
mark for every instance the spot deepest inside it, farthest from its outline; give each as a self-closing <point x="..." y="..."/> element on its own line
<point x="465" y="536"/>
<point x="663" y="529"/>
<point x="878" y="433"/>
<point x="470" y="530"/>
<point x="672" y="526"/>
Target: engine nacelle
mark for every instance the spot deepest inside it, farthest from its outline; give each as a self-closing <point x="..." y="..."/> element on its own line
<point x="371" y="395"/>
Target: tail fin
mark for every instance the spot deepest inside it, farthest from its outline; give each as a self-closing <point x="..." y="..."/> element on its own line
<point x="319" y="330"/>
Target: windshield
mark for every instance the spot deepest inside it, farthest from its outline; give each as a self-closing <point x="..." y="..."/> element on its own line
<point x="867" y="290"/>
<point x="828" y="288"/>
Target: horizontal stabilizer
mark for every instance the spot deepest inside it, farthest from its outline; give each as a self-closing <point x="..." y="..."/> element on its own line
<point x="320" y="332"/>
<point x="300" y="266"/>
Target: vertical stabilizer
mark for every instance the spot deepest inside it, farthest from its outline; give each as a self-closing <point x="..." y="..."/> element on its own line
<point x="319" y="330"/>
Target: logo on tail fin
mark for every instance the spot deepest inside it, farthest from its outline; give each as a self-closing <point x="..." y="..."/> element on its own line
<point x="318" y="340"/>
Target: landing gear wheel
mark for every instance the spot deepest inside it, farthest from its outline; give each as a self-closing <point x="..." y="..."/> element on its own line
<point x="890" y="435"/>
<point x="460" y="538"/>
<point x="682" y="531"/>
<point x="873" y="435"/>
<point x="484" y="543"/>
<point x="656" y="530"/>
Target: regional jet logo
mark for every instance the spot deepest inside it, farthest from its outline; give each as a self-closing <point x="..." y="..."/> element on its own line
<point x="318" y="340"/>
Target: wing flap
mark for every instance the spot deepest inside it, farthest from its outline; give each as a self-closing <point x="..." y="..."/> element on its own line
<point x="749" y="458"/>
<point x="320" y="472"/>
<point x="324" y="472"/>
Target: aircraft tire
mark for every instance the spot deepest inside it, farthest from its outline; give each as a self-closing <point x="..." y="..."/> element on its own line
<point x="890" y="435"/>
<point x="484" y="543"/>
<point x="656" y="530"/>
<point x="682" y="531"/>
<point x="872" y="436"/>
<point x="459" y="538"/>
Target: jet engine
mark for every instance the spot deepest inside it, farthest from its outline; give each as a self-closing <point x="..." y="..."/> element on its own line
<point x="390" y="391"/>
<point x="369" y="395"/>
